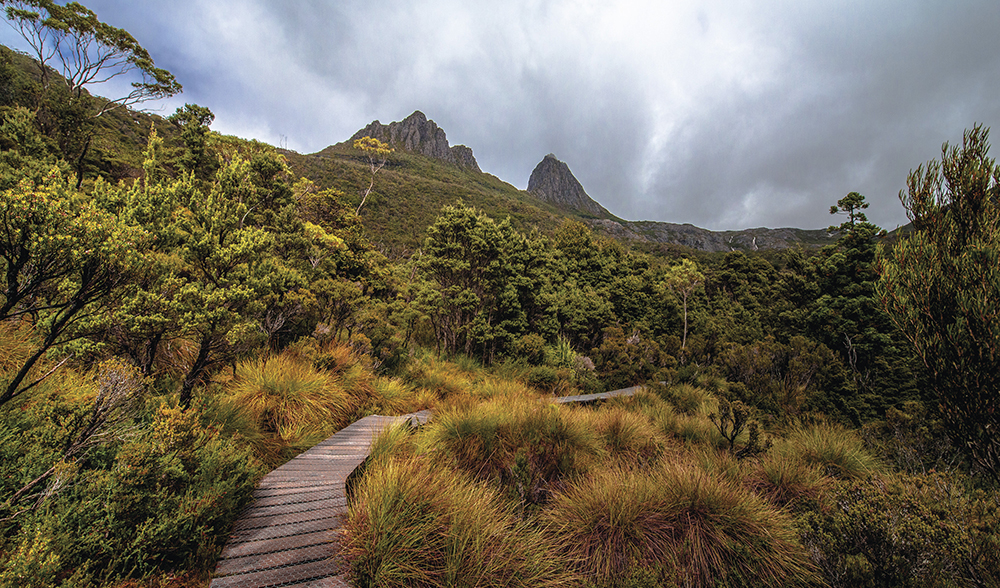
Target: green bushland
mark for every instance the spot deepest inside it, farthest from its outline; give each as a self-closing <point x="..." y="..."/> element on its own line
<point x="182" y="310"/>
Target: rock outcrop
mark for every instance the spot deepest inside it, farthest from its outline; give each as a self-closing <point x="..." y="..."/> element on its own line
<point x="418" y="135"/>
<point x="553" y="182"/>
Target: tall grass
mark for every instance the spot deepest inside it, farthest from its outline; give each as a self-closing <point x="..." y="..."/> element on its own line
<point x="416" y="524"/>
<point x="786" y="481"/>
<point x="838" y="452"/>
<point x="291" y="400"/>
<point x="626" y="435"/>
<point x="529" y="445"/>
<point x="708" y="531"/>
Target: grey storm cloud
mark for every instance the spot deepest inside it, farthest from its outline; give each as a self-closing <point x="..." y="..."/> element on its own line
<point x="721" y="114"/>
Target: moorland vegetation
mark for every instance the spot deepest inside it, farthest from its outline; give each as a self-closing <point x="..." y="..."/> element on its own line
<point x="180" y="313"/>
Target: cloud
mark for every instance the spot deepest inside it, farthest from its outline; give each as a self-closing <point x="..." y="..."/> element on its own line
<point x="724" y="115"/>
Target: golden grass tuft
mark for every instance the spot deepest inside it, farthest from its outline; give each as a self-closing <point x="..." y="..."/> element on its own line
<point x="838" y="452"/>
<point x="786" y="481"/>
<point x="290" y="399"/>
<point x="414" y="523"/>
<point x="708" y="530"/>
<point x="529" y="444"/>
<point x="626" y="435"/>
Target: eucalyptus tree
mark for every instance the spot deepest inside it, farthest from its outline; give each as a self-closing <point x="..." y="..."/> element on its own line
<point x="75" y="51"/>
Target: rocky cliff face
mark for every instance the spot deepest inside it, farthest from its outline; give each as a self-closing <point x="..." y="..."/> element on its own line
<point x="417" y="134"/>
<point x="553" y="182"/>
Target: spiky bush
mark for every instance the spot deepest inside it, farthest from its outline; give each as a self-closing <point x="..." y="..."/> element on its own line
<point x="787" y="481"/>
<point x="707" y="531"/>
<point x="414" y="523"/>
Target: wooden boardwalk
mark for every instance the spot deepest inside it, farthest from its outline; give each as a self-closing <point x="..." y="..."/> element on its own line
<point x="287" y="536"/>
<point x="598" y="396"/>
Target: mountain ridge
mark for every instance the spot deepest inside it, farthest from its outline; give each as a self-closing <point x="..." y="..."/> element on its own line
<point x="553" y="192"/>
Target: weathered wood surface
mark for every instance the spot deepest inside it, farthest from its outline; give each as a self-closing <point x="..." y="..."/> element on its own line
<point x="598" y="396"/>
<point x="287" y="536"/>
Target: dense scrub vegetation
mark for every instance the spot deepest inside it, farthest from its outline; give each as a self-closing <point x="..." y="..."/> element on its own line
<point x="179" y="313"/>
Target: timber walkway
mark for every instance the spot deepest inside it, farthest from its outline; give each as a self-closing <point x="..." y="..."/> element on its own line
<point x="287" y="536"/>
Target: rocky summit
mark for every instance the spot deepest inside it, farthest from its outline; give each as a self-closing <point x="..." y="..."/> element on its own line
<point x="553" y="182"/>
<point x="418" y="135"/>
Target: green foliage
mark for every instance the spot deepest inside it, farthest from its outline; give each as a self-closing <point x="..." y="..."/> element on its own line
<point x="941" y="287"/>
<point x="62" y="258"/>
<point x="683" y="279"/>
<point x="626" y="361"/>
<point x="482" y="277"/>
<point x="904" y="532"/>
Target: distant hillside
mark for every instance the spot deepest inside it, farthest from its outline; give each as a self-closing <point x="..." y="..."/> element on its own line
<point x="426" y="173"/>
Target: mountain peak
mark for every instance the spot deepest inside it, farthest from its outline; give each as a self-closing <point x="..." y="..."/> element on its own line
<point x="417" y="134"/>
<point x="553" y="182"/>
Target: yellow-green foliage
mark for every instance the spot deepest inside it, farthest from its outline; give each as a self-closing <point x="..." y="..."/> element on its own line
<point x="531" y="445"/>
<point x="836" y="451"/>
<point x="290" y="399"/>
<point x="416" y="523"/>
<point x="626" y="435"/>
<point x="705" y="530"/>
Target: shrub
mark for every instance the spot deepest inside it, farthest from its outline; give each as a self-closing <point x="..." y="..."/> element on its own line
<point x="417" y="524"/>
<point x="709" y="531"/>
<point x="896" y="533"/>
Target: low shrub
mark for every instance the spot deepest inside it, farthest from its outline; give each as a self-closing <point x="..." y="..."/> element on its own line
<point x="907" y="531"/>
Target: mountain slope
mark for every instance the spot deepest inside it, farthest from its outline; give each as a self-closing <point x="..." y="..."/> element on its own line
<point x="425" y="173"/>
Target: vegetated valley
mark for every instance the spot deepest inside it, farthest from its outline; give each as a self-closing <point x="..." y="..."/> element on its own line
<point x="182" y="311"/>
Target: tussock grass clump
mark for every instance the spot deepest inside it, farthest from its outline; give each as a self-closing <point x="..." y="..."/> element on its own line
<point x="838" y="452"/>
<point x="698" y="429"/>
<point x="290" y="399"/>
<point x="525" y="444"/>
<point x="392" y="396"/>
<point x="706" y="530"/>
<point x="415" y="524"/>
<point x="688" y="399"/>
<point x="787" y="481"/>
<point x="626" y="435"/>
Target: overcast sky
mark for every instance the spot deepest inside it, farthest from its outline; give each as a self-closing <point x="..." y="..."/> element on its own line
<point x="723" y="114"/>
